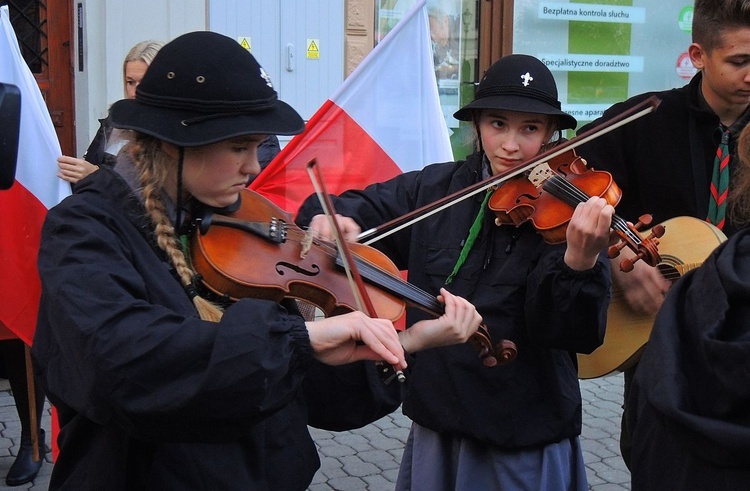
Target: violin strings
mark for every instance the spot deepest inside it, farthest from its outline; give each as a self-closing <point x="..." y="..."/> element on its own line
<point x="573" y="195"/>
<point x="377" y="275"/>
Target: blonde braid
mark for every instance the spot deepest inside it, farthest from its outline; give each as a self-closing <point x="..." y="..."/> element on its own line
<point x="154" y="167"/>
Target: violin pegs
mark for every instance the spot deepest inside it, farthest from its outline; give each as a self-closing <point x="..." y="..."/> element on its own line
<point x="658" y="231"/>
<point x="614" y="250"/>
<point x="626" y="265"/>
<point x="489" y="361"/>
<point x="643" y="221"/>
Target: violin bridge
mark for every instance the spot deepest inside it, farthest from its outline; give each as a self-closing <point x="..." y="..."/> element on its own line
<point x="306" y="243"/>
<point x="540" y="173"/>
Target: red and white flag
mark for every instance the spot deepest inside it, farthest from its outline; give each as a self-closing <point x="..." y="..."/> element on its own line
<point x="37" y="188"/>
<point x="385" y="119"/>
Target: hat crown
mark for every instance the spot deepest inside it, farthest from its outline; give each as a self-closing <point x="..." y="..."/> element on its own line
<point x="519" y="83"/>
<point x="520" y="75"/>
<point x="202" y="88"/>
<point x="220" y="77"/>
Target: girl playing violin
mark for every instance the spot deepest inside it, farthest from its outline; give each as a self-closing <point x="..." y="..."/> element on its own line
<point x="515" y="426"/>
<point x="157" y="388"/>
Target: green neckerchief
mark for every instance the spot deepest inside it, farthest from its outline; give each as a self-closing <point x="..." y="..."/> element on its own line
<point x="476" y="227"/>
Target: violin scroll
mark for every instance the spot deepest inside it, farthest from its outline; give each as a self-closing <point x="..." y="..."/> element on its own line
<point x="506" y="351"/>
<point x="502" y="354"/>
<point x="645" y="248"/>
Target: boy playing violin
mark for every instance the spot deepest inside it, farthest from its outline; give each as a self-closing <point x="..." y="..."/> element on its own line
<point x="508" y="426"/>
<point x="672" y="152"/>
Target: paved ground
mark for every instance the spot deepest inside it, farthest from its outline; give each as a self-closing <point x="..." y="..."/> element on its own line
<point x="368" y="458"/>
<point x="10" y="438"/>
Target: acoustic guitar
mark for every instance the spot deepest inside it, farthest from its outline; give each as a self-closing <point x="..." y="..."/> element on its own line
<point x="686" y="243"/>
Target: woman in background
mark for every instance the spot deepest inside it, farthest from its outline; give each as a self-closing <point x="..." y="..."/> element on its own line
<point x="102" y="149"/>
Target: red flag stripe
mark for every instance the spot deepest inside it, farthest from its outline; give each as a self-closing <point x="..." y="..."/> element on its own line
<point x="383" y="120"/>
<point x="22" y="217"/>
<point x="339" y="144"/>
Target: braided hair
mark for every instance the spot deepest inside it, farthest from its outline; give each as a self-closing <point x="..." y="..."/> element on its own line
<point x="154" y="167"/>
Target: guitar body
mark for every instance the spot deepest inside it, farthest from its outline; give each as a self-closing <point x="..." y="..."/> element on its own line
<point x="686" y="243"/>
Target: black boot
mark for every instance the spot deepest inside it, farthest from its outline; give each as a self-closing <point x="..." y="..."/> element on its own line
<point x="24" y="469"/>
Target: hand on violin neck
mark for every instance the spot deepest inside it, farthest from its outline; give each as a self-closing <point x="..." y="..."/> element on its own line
<point x="588" y="233"/>
<point x="455" y="326"/>
<point x="351" y="337"/>
<point x="321" y="228"/>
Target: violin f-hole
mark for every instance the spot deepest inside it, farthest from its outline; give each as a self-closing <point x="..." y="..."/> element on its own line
<point x="283" y="264"/>
<point x="530" y="197"/>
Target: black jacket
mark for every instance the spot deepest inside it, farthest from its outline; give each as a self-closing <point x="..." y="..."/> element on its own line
<point x="152" y="397"/>
<point x="97" y="152"/>
<point x="522" y="289"/>
<point x="690" y="397"/>
<point x="662" y="161"/>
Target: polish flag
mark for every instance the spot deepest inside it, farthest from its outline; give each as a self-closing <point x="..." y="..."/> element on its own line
<point x="24" y="205"/>
<point x="385" y="119"/>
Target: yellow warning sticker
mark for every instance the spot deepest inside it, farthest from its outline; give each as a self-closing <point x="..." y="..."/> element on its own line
<point x="313" y="49"/>
<point x="245" y="42"/>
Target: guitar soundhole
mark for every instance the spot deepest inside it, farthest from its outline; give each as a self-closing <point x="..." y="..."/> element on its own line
<point x="669" y="272"/>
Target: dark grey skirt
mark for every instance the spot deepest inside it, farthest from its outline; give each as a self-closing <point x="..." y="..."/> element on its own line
<point x="435" y="462"/>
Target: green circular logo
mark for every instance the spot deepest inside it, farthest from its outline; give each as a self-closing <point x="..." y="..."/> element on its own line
<point x="685" y="21"/>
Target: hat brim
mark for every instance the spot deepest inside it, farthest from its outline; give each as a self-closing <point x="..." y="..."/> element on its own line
<point x="168" y="124"/>
<point x="516" y="104"/>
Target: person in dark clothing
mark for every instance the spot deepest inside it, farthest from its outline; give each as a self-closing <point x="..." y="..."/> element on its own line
<point x="267" y="150"/>
<point x="672" y="151"/>
<point x="13" y="365"/>
<point x="512" y="426"/>
<point x="157" y="387"/>
<point x="690" y="399"/>
<point x="103" y="148"/>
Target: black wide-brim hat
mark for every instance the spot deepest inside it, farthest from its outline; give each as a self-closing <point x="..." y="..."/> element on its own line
<point x="519" y="83"/>
<point x="202" y="88"/>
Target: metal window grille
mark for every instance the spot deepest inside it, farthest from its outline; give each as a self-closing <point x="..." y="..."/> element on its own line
<point x="29" y="20"/>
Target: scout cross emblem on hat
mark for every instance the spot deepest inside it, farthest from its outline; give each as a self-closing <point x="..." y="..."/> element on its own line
<point x="265" y="76"/>
<point x="526" y="77"/>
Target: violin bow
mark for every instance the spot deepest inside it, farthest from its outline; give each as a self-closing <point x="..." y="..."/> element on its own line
<point x="361" y="296"/>
<point x="374" y="234"/>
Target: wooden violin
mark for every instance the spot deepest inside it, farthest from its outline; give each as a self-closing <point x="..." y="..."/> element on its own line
<point x="258" y="251"/>
<point x="553" y="171"/>
<point x="547" y="194"/>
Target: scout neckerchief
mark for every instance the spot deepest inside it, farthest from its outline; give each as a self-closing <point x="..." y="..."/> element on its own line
<point x="717" y="205"/>
<point x="476" y="227"/>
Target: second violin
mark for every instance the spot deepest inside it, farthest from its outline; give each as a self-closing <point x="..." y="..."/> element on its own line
<point x="547" y="194"/>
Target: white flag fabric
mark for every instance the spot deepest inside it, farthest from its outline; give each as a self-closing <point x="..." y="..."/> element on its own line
<point x="385" y="119"/>
<point x="37" y="188"/>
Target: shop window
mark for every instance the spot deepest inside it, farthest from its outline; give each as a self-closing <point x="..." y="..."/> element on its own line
<point x="454" y="34"/>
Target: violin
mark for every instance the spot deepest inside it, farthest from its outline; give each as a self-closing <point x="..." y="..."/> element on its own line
<point x="258" y="251"/>
<point x="547" y="194"/>
<point x="552" y="219"/>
